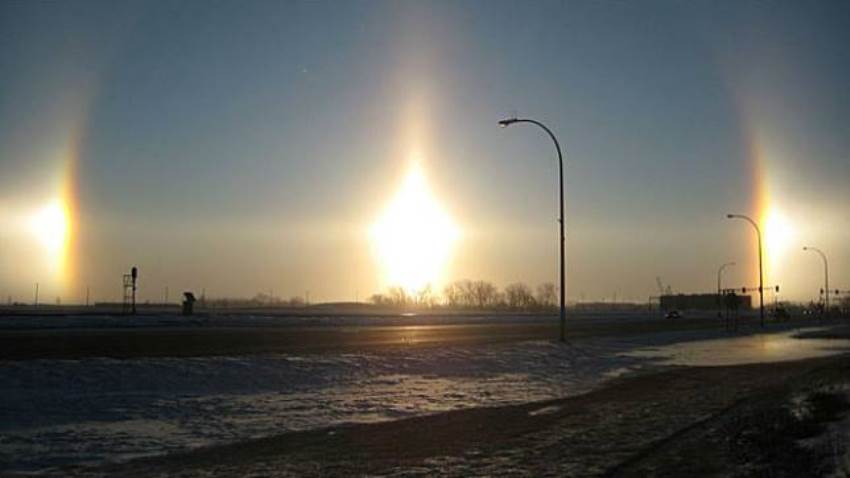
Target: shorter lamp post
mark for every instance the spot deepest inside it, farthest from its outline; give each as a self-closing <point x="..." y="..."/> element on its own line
<point x="825" y="276"/>
<point x="719" y="288"/>
<point x="761" y="270"/>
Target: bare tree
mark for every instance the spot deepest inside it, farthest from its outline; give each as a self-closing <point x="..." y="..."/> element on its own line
<point x="478" y="294"/>
<point x="465" y="293"/>
<point x="519" y="296"/>
<point x="467" y="288"/>
<point x="379" y="299"/>
<point x="499" y="301"/>
<point x="425" y="297"/>
<point x="485" y="294"/>
<point x="398" y="296"/>
<point x="453" y="295"/>
<point x="546" y="296"/>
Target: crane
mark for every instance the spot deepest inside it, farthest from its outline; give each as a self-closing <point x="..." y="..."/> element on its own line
<point x="661" y="289"/>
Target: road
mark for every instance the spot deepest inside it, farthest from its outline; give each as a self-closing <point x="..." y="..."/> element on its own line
<point x="210" y="340"/>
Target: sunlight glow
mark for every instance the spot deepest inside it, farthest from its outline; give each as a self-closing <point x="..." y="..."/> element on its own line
<point x="778" y="237"/>
<point x="414" y="237"/>
<point x="50" y="226"/>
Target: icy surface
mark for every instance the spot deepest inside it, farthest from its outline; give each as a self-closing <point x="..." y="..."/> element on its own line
<point x="55" y="412"/>
<point x="747" y="349"/>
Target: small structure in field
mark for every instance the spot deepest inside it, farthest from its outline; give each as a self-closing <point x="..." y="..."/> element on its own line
<point x="188" y="303"/>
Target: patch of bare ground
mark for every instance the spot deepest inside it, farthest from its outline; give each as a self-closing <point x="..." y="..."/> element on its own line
<point x="794" y="429"/>
<point x="684" y="421"/>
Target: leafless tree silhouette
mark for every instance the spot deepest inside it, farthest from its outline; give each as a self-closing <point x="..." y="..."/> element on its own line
<point x="519" y="296"/>
<point x="546" y="296"/>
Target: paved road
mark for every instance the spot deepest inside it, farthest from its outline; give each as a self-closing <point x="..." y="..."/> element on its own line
<point x="229" y="340"/>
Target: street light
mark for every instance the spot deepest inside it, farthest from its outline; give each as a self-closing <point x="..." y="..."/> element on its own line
<point x="507" y="122"/>
<point x="719" y="289"/>
<point x="761" y="270"/>
<point x="825" y="275"/>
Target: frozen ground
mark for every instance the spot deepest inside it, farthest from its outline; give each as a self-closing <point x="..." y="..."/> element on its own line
<point x="56" y="412"/>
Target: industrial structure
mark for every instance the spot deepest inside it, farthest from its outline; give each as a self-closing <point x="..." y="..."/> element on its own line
<point x="128" y="304"/>
<point x="699" y="302"/>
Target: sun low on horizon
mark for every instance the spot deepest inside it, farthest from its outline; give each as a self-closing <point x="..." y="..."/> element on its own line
<point x="779" y="236"/>
<point x="414" y="237"/>
<point x="50" y="227"/>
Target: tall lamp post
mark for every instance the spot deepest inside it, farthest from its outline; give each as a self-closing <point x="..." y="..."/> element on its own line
<point x="825" y="275"/>
<point x="761" y="270"/>
<point x="507" y="122"/>
<point x="719" y="288"/>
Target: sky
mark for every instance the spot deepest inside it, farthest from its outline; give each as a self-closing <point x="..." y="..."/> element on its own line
<point x="244" y="147"/>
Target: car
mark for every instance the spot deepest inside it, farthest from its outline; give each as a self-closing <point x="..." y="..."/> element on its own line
<point x="673" y="314"/>
<point x="781" y="314"/>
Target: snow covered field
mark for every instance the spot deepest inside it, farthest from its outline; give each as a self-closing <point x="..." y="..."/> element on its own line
<point x="56" y="412"/>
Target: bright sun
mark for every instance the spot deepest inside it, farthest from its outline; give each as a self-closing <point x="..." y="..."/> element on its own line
<point x="778" y="237"/>
<point x="414" y="237"/>
<point x="49" y="225"/>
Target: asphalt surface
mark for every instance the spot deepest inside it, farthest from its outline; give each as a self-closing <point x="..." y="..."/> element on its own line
<point x="210" y="340"/>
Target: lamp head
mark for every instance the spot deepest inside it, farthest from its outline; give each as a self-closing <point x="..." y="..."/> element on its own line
<point x="507" y="122"/>
<point x="730" y="216"/>
<point x="805" y="248"/>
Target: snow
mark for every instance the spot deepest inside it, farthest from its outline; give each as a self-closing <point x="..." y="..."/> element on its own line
<point x="55" y="412"/>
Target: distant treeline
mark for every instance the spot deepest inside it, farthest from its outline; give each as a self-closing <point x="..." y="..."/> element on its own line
<point x="470" y="294"/>
<point x="462" y="294"/>
<point x="259" y="300"/>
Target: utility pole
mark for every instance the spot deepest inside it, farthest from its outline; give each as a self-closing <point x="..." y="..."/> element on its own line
<point x="36" y="294"/>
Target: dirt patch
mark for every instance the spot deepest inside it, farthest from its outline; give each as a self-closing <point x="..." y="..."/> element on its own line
<point x="780" y="431"/>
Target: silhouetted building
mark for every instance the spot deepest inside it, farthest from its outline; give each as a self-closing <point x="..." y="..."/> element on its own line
<point x="608" y="306"/>
<point x="699" y="302"/>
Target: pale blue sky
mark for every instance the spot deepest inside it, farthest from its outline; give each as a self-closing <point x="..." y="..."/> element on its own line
<point x="246" y="146"/>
